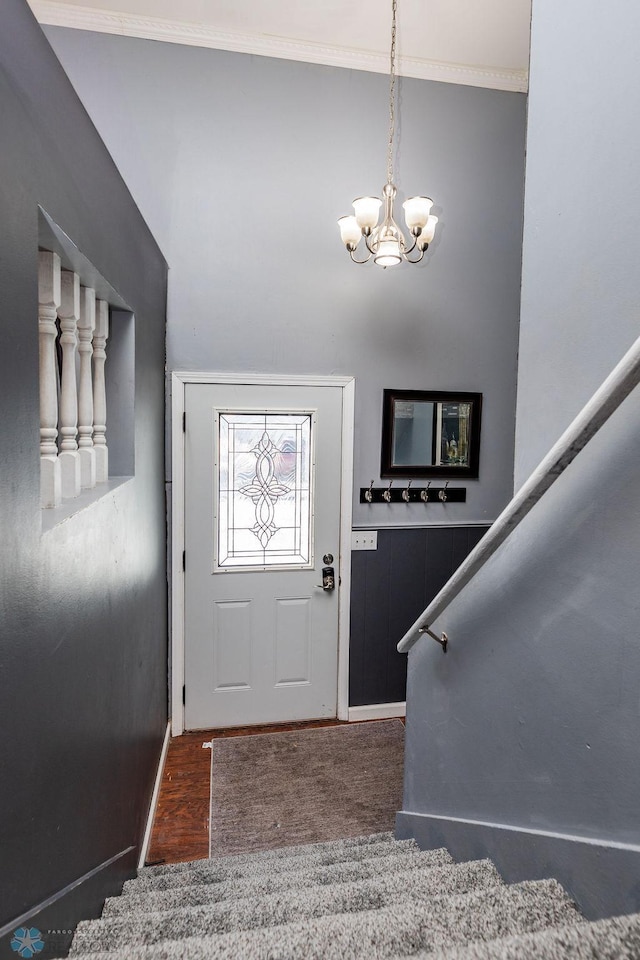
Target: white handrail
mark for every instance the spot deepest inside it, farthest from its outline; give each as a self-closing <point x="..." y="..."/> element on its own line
<point x="619" y="384"/>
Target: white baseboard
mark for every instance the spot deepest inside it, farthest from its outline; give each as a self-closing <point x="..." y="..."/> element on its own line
<point x="154" y="799"/>
<point x="378" y="711"/>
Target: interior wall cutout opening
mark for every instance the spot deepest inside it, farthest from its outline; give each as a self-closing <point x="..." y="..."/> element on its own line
<point x="86" y="371"/>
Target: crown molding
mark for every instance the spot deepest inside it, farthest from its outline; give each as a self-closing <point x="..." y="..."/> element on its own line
<point x="59" y="14"/>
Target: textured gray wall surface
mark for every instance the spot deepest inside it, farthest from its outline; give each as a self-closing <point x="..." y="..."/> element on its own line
<point x="580" y="281"/>
<point x="390" y="586"/>
<point x="532" y="720"/>
<point x="83" y="631"/>
<point x="602" y="878"/>
<point x="241" y="166"/>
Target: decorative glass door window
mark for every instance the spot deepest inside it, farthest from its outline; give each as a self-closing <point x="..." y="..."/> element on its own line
<point x="264" y="502"/>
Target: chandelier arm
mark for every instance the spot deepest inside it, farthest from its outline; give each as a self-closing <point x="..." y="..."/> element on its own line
<point x="411" y="248"/>
<point x="366" y="243"/>
<point x="419" y="258"/>
<point x="366" y="260"/>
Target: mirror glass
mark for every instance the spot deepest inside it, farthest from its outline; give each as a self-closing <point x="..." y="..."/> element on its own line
<point x="427" y="434"/>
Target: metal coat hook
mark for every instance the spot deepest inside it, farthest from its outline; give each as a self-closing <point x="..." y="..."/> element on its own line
<point x="405" y="492"/>
<point x="369" y="493"/>
<point x="387" y="493"/>
<point x="424" y="494"/>
<point x="443" y="493"/>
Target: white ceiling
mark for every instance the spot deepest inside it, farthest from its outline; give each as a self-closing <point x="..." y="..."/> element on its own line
<point x="477" y="42"/>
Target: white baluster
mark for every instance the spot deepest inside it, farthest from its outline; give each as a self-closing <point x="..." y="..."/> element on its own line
<point x="86" y="326"/>
<point x="48" y="302"/>
<point x="69" y="313"/>
<point x="99" y="392"/>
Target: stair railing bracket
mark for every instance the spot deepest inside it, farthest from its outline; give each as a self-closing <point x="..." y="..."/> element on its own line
<point x="443" y="640"/>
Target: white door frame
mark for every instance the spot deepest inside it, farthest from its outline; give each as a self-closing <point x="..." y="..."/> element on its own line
<point x="179" y="380"/>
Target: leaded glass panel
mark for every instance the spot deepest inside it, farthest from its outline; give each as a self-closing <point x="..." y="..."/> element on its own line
<point x="264" y="490"/>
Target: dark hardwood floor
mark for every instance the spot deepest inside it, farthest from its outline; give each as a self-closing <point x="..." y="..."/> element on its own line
<point x="181" y="824"/>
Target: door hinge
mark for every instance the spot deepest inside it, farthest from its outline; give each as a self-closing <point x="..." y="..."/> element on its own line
<point x="184" y="560"/>
<point x="184" y="696"/>
<point x="184" y="421"/>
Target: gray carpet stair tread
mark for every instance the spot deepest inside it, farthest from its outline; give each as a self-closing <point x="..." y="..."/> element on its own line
<point x="375" y="934"/>
<point x="276" y="853"/>
<point x="213" y="871"/>
<point x="616" y="938"/>
<point x="287" y="906"/>
<point x="147" y="901"/>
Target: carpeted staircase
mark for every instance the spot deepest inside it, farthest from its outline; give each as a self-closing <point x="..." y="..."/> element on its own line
<point x="365" y="897"/>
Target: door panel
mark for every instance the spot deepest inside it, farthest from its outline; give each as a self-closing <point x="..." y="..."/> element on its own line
<point x="232" y="644"/>
<point x="293" y="641"/>
<point x="261" y="636"/>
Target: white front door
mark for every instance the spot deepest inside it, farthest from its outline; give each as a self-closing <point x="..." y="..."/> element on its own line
<point x="262" y="520"/>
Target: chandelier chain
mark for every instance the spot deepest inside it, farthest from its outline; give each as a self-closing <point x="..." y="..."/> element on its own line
<point x="392" y="92"/>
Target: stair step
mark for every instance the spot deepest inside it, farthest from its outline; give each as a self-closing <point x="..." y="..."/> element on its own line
<point x="213" y="871"/>
<point x="395" y="930"/>
<point x="287" y="906"/>
<point x="616" y="938"/>
<point x="155" y="902"/>
<point x="276" y="853"/>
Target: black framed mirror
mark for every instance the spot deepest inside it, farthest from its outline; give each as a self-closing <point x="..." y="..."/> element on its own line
<point x="430" y="434"/>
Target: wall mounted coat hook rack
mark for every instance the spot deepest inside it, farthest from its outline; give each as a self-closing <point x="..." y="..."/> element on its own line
<point x="409" y="494"/>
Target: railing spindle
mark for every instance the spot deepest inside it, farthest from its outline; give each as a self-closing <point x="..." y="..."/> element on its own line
<point x="69" y="313"/>
<point x="99" y="391"/>
<point x="86" y="326"/>
<point x="48" y="303"/>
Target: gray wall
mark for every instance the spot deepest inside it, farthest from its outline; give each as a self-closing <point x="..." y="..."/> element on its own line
<point x="580" y="284"/>
<point x="529" y="729"/>
<point x="241" y="166"/>
<point x="83" y="627"/>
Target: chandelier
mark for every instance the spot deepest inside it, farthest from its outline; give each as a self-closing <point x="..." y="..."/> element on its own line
<point x="386" y="242"/>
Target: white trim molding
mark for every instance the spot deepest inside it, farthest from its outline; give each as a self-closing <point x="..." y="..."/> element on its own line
<point x="179" y="380"/>
<point x="144" y="849"/>
<point x="58" y="14"/>
<point x="378" y="711"/>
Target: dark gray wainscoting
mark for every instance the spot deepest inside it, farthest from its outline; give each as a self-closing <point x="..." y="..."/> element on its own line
<point x="390" y="587"/>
